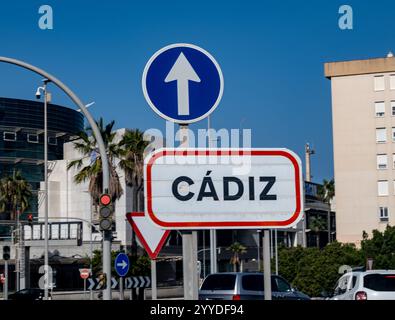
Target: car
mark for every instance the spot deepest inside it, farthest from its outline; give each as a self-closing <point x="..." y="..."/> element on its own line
<point x="246" y="286"/>
<point x="365" y="285"/>
<point x="28" y="294"/>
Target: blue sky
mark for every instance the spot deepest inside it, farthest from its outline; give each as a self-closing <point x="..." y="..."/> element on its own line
<point x="271" y="54"/>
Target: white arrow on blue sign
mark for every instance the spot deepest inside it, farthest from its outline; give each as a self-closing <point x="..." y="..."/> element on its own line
<point x="122" y="264"/>
<point x="182" y="83"/>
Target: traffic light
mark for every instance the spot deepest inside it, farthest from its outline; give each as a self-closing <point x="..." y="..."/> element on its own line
<point x="6" y="252"/>
<point x="30" y="219"/>
<point x="105" y="212"/>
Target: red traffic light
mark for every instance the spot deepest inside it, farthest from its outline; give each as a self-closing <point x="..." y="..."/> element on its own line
<point x="105" y="199"/>
<point x="30" y="217"/>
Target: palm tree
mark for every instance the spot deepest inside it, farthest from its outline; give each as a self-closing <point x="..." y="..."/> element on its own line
<point x="317" y="224"/>
<point x="237" y="249"/>
<point x="15" y="194"/>
<point x="132" y="163"/>
<point x="326" y="192"/>
<point x="87" y="146"/>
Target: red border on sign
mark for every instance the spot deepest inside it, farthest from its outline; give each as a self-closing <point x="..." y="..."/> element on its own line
<point x="153" y="254"/>
<point x="244" y="224"/>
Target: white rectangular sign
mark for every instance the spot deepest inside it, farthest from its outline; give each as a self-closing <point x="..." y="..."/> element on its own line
<point x="223" y="188"/>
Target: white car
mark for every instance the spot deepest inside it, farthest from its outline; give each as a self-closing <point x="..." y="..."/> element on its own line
<point x="366" y="285"/>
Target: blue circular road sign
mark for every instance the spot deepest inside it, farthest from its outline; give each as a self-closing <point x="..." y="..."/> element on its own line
<point x="182" y="83"/>
<point x="122" y="264"/>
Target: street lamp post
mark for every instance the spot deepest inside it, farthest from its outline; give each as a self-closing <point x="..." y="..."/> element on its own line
<point x="46" y="244"/>
<point x="204" y="251"/>
<point x="17" y="250"/>
<point x="90" y="225"/>
<point x="107" y="239"/>
<point x="91" y="246"/>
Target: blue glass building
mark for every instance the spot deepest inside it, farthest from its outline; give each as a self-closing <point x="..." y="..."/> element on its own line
<point x="22" y="139"/>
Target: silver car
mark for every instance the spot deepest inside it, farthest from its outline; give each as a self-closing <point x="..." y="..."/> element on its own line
<point x="246" y="286"/>
<point x="367" y="285"/>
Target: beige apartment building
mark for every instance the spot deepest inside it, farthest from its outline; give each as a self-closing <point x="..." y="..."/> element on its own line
<point x="363" y="116"/>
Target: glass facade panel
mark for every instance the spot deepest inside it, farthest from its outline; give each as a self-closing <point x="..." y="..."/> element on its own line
<point x="25" y="153"/>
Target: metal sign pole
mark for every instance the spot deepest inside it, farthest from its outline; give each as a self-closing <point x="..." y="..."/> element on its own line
<point x="204" y="254"/>
<point x="121" y="293"/>
<point x="276" y="250"/>
<point x="266" y="265"/>
<point x="189" y="244"/>
<point x="85" y="288"/>
<point x="154" y="290"/>
<point x="213" y="232"/>
<point x="17" y="253"/>
<point x="102" y="150"/>
<point x="213" y="250"/>
<point x="189" y="253"/>
<point x="107" y="264"/>
<point x="121" y="265"/>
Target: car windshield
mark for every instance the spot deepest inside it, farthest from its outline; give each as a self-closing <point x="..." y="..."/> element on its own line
<point x="380" y="282"/>
<point x="219" y="282"/>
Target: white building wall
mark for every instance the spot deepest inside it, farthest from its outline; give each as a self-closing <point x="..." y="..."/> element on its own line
<point x="68" y="199"/>
<point x="355" y="122"/>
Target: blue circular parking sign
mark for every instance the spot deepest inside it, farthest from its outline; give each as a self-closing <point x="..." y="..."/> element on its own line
<point x="182" y="83"/>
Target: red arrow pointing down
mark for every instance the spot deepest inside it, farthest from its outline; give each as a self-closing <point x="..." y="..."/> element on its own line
<point x="150" y="236"/>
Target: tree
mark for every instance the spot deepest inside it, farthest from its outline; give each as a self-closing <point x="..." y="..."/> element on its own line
<point x="380" y="248"/>
<point x="237" y="249"/>
<point x="326" y="192"/>
<point x="317" y="224"/>
<point x="312" y="270"/>
<point x="15" y="194"/>
<point x="87" y="146"/>
<point x="132" y="163"/>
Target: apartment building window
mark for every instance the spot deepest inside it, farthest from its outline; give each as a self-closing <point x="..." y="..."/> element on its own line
<point x="381" y="161"/>
<point x="9" y="136"/>
<point x="379" y="108"/>
<point x="382" y="187"/>
<point x="393" y="134"/>
<point x="381" y="135"/>
<point x="392" y="81"/>
<point x="393" y="108"/>
<point x="379" y="84"/>
<point x="383" y="213"/>
<point x="393" y="161"/>
<point x="32" y="138"/>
